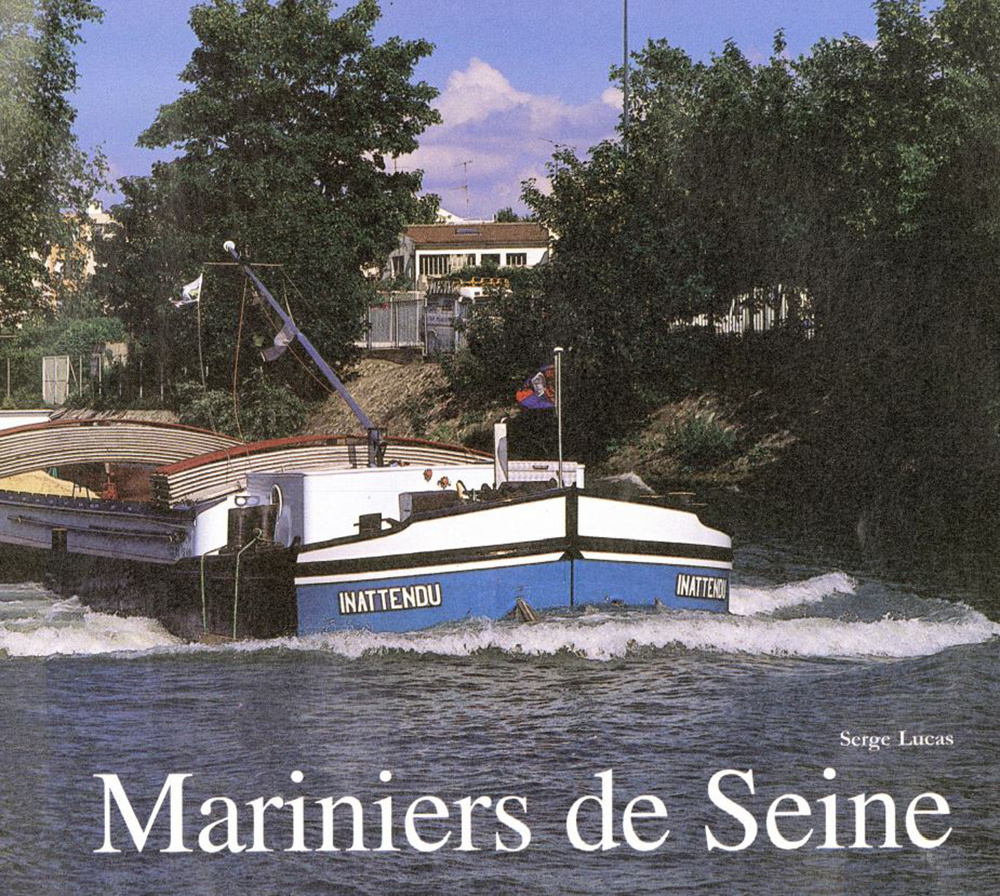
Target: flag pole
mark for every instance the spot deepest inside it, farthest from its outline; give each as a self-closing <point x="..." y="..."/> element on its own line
<point x="558" y="364"/>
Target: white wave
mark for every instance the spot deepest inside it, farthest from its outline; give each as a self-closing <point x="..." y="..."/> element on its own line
<point x="65" y="627"/>
<point x="746" y="601"/>
<point x="601" y="637"/>
<point x="89" y="633"/>
<point x="22" y="587"/>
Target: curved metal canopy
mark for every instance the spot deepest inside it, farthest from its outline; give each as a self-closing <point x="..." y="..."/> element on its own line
<point x="42" y="446"/>
<point x="191" y="465"/>
<point x="223" y="472"/>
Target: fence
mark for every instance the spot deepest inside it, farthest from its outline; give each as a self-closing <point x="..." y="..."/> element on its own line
<point x="435" y="321"/>
<point x="432" y="324"/>
<point x="31" y="380"/>
<point x="761" y="310"/>
<point x="56" y="370"/>
<point x="397" y="323"/>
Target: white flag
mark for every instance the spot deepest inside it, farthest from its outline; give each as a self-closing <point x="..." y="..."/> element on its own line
<point x="281" y="341"/>
<point x="190" y="293"/>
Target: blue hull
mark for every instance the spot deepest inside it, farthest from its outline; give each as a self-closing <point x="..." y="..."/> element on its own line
<point x="409" y="600"/>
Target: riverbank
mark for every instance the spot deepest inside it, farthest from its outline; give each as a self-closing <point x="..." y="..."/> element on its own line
<point x="692" y="442"/>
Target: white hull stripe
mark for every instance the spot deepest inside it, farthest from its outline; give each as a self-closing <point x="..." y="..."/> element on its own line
<point x="655" y="559"/>
<point x="471" y="566"/>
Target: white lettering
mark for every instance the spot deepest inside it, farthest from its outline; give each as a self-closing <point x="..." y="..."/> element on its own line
<point x="173" y="786"/>
<point x="731" y="808"/>
<point x="605" y="801"/>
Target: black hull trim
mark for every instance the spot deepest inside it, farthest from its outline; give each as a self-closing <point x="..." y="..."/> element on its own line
<point x="573" y="546"/>
<point x="190" y="599"/>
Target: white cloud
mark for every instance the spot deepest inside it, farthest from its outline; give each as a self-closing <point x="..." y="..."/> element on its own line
<point x="440" y="158"/>
<point x="481" y="93"/>
<point x="613" y="97"/>
<point x="506" y="134"/>
<point x="476" y="93"/>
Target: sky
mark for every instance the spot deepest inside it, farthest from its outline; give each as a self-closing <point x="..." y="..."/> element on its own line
<point x="516" y="78"/>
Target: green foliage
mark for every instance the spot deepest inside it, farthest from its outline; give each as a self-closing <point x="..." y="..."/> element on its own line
<point x="149" y="257"/>
<point x="489" y="271"/>
<point x="506" y="339"/>
<point x="283" y="132"/>
<point x="38" y="337"/>
<point x="507" y="215"/>
<point x="44" y="176"/>
<point x="700" y="438"/>
<point x="263" y="409"/>
<point x="426" y="209"/>
<point x="72" y="337"/>
<point x="865" y="173"/>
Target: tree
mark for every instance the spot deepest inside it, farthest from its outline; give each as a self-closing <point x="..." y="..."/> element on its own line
<point x="426" y="211"/>
<point x="507" y="215"/>
<point x="900" y="142"/>
<point x="283" y="135"/>
<point x="46" y="181"/>
<point x="867" y="174"/>
<point x="149" y="254"/>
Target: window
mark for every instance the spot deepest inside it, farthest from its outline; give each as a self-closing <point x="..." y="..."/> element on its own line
<point x="398" y="265"/>
<point x="434" y="265"/>
<point x="517" y="259"/>
<point x="488" y="258"/>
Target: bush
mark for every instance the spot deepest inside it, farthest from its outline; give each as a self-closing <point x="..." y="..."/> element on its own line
<point x="691" y="434"/>
<point x="700" y="438"/>
<point x="266" y="409"/>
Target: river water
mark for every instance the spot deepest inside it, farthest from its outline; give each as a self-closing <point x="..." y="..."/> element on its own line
<point x="662" y="699"/>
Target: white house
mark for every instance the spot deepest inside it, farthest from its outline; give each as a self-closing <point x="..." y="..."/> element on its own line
<point x="435" y="250"/>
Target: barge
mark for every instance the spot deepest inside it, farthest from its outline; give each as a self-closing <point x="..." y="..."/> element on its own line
<point x="217" y="538"/>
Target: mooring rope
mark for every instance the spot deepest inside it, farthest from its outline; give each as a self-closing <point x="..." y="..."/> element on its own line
<point x="236" y="587"/>
<point x="236" y="364"/>
<point x="204" y="610"/>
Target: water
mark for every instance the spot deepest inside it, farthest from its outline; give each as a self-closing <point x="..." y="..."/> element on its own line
<point x="663" y="699"/>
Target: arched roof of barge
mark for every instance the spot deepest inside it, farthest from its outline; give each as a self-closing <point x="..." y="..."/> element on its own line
<point x="224" y="471"/>
<point x="190" y="465"/>
<point x="41" y="446"/>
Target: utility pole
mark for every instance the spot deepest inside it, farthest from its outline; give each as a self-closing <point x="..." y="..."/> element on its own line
<point x="625" y="75"/>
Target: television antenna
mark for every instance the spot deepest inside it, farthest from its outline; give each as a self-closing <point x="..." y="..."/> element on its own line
<point x="465" y="182"/>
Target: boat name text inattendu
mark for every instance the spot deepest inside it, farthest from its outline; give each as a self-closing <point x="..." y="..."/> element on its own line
<point x="713" y="587"/>
<point x="379" y="600"/>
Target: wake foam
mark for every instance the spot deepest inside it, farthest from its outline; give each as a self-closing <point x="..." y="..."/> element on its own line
<point x="747" y="601"/>
<point x="65" y="628"/>
<point x="612" y="638"/>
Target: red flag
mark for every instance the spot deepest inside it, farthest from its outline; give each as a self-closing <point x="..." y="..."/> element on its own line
<point x="539" y="392"/>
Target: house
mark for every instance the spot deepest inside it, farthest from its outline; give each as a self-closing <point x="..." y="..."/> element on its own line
<point x="427" y="251"/>
<point x="69" y="267"/>
<point x="420" y="305"/>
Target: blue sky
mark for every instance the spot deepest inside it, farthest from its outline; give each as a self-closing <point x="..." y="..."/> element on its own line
<point x="515" y="77"/>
